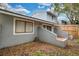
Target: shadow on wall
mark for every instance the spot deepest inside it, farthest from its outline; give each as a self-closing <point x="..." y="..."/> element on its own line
<point x="0" y="32"/>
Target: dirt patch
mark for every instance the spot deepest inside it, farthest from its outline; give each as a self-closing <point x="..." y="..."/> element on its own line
<point x="40" y="49"/>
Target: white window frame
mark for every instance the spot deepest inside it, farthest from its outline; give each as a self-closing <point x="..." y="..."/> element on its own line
<point x="14" y="32"/>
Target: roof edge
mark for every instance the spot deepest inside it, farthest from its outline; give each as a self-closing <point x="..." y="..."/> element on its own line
<point x="4" y="11"/>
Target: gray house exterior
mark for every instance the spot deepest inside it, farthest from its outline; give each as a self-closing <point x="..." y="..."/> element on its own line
<point x="46" y="15"/>
<point x="14" y="29"/>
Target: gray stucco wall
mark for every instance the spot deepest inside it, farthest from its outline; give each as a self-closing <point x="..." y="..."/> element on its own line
<point x="8" y="39"/>
<point x="40" y="15"/>
<point x="49" y="17"/>
<point x="45" y="16"/>
<point x="50" y="37"/>
<point x="0" y="33"/>
<point x="52" y="19"/>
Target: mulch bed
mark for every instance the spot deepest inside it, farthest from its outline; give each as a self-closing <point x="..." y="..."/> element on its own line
<point x="40" y="48"/>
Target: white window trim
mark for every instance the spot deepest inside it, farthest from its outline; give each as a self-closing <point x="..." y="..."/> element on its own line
<point x="14" y="33"/>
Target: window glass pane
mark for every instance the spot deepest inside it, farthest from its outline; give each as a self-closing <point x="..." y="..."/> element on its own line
<point x="20" y="26"/>
<point x="43" y="26"/>
<point x="29" y="27"/>
<point x="49" y="28"/>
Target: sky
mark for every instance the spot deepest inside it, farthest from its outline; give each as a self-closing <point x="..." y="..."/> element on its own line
<point x="30" y="8"/>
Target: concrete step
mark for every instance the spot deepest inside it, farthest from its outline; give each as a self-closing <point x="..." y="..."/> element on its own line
<point x="61" y="38"/>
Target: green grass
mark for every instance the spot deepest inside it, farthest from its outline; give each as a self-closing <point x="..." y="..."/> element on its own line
<point x="39" y="53"/>
<point x="77" y="41"/>
<point x="56" y="53"/>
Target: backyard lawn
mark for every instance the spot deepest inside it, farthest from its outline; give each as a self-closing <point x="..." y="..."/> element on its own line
<point x="41" y="49"/>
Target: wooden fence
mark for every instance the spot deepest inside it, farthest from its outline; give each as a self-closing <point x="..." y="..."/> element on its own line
<point x="71" y="29"/>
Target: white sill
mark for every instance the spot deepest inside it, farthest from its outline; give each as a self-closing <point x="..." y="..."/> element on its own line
<point x="22" y="33"/>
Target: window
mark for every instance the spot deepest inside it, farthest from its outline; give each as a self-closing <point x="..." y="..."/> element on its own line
<point x="23" y="26"/>
<point x="52" y="17"/>
<point x="47" y="27"/>
<point x="20" y="26"/>
<point x="29" y="27"/>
